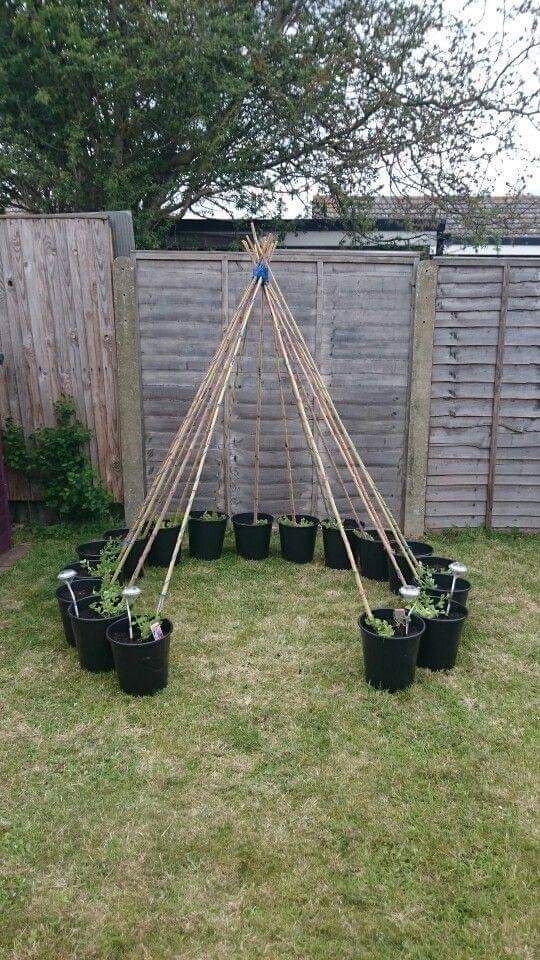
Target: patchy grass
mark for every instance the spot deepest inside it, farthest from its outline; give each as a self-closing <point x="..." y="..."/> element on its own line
<point x="268" y="804"/>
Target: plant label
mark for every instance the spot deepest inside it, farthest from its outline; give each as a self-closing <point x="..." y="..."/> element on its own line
<point x="157" y="632"/>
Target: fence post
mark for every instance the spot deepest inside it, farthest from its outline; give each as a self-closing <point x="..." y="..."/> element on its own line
<point x="420" y="399"/>
<point x="129" y="383"/>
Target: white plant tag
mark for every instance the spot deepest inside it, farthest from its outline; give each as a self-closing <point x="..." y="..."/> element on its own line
<point x="157" y="632"/>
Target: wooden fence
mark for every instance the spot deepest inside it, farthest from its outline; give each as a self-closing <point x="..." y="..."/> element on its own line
<point x="434" y="365"/>
<point x="484" y="450"/>
<point x="57" y="330"/>
<point x="355" y="310"/>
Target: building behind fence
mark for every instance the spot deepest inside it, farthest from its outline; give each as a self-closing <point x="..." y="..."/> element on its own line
<point x="433" y="364"/>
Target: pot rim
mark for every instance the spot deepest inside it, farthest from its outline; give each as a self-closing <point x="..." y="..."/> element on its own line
<point x="222" y="516"/>
<point x="63" y="586"/>
<point x="415" y="619"/>
<point x="455" y="604"/>
<point x="461" y="582"/>
<point x="138" y="643"/>
<point x="91" y="543"/>
<point x="299" y="516"/>
<point x="349" y="523"/>
<point x="93" y="596"/>
<point x="433" y="557"/>
<point x="249" y="523"/>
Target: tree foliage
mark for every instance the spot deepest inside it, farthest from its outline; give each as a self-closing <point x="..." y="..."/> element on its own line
<point x="166" y="106"/>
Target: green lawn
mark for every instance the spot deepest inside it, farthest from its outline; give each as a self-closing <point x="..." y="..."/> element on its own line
<point x="268" y="804"/>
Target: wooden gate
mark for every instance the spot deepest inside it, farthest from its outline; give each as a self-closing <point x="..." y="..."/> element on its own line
<point x="57" y="331"/>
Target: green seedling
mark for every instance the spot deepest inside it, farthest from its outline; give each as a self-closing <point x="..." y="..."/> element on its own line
<point x="212" y="515"/>
<point x="299" y="522"/>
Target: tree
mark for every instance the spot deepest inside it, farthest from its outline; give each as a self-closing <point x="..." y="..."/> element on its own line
<point x="166" y="106"/>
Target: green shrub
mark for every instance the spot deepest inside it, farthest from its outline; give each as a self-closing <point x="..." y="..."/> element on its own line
<point x="56" y="459"/>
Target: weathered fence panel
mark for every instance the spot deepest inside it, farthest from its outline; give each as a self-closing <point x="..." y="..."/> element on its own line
<point x="433" y="365"/>
<point x="57" y="330"/>
<point x="484" y="447"/>
<point x="355" y="310"/>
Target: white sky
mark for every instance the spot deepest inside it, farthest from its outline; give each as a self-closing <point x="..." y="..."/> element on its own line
<point x="524" y="162"/>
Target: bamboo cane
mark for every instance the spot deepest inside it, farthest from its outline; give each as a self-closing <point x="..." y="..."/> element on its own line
<point x="179" y="443"/>
<point x="390" y="519"/>
<point x="165" y="588"/>
<point x="280" y="301"/>
<point x="203" y="424"/>
<point x="323" y="479"/>
<point x="345" y="454"/>
<point x="165" y="471"/>
<point x="340" y="437"/>
<point x="285" y="428"/>
<point x="173" y="480"/>
<point x="257" y="454"/>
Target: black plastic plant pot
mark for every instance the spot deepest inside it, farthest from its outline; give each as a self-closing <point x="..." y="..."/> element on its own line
<point x="132" y="559"/>
<point x="89" y="630"/>
<point x="142" y="667"/>
<point x="82" y="587"/>
<point x="419" y="550"/>
<point x="252" y="539"/>
<point x="390" y="662"/>
<point x="90" y="552"/>
<point x="372" y="557"/>
<point x="443" y="583"/>
<point x="440" y="641"/>
<point x="297" y="541"/>
<point x="206" y="536"/>
<point x="335" y="554"/>
<point x="163" y="546"/>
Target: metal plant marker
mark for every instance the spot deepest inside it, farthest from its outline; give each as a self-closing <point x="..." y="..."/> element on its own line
<point x="335" y="458"/>
<point x="409" y="592"/>
<point x="130" y="593"/>
<point x="67" y="576"/>
<point x="457" y="569"/>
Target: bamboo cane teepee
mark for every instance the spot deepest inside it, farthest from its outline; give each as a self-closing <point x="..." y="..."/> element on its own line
<point x="325" y="434"/>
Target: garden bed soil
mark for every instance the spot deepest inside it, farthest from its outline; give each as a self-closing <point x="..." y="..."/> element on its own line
<point x="297" y="541"/>
<point x="252" y="539"/>
<point x="142" y="666"/>
<point x="390" y="662"/>
<point x="206" y="536"/>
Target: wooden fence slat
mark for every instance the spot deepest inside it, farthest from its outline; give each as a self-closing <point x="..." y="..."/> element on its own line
<point x="499" y="363"/>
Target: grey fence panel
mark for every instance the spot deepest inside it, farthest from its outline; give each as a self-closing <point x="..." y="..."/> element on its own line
<point x="342" y="301"/>
<point x="516" y="476"/>
<point x="483" y="439"/>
